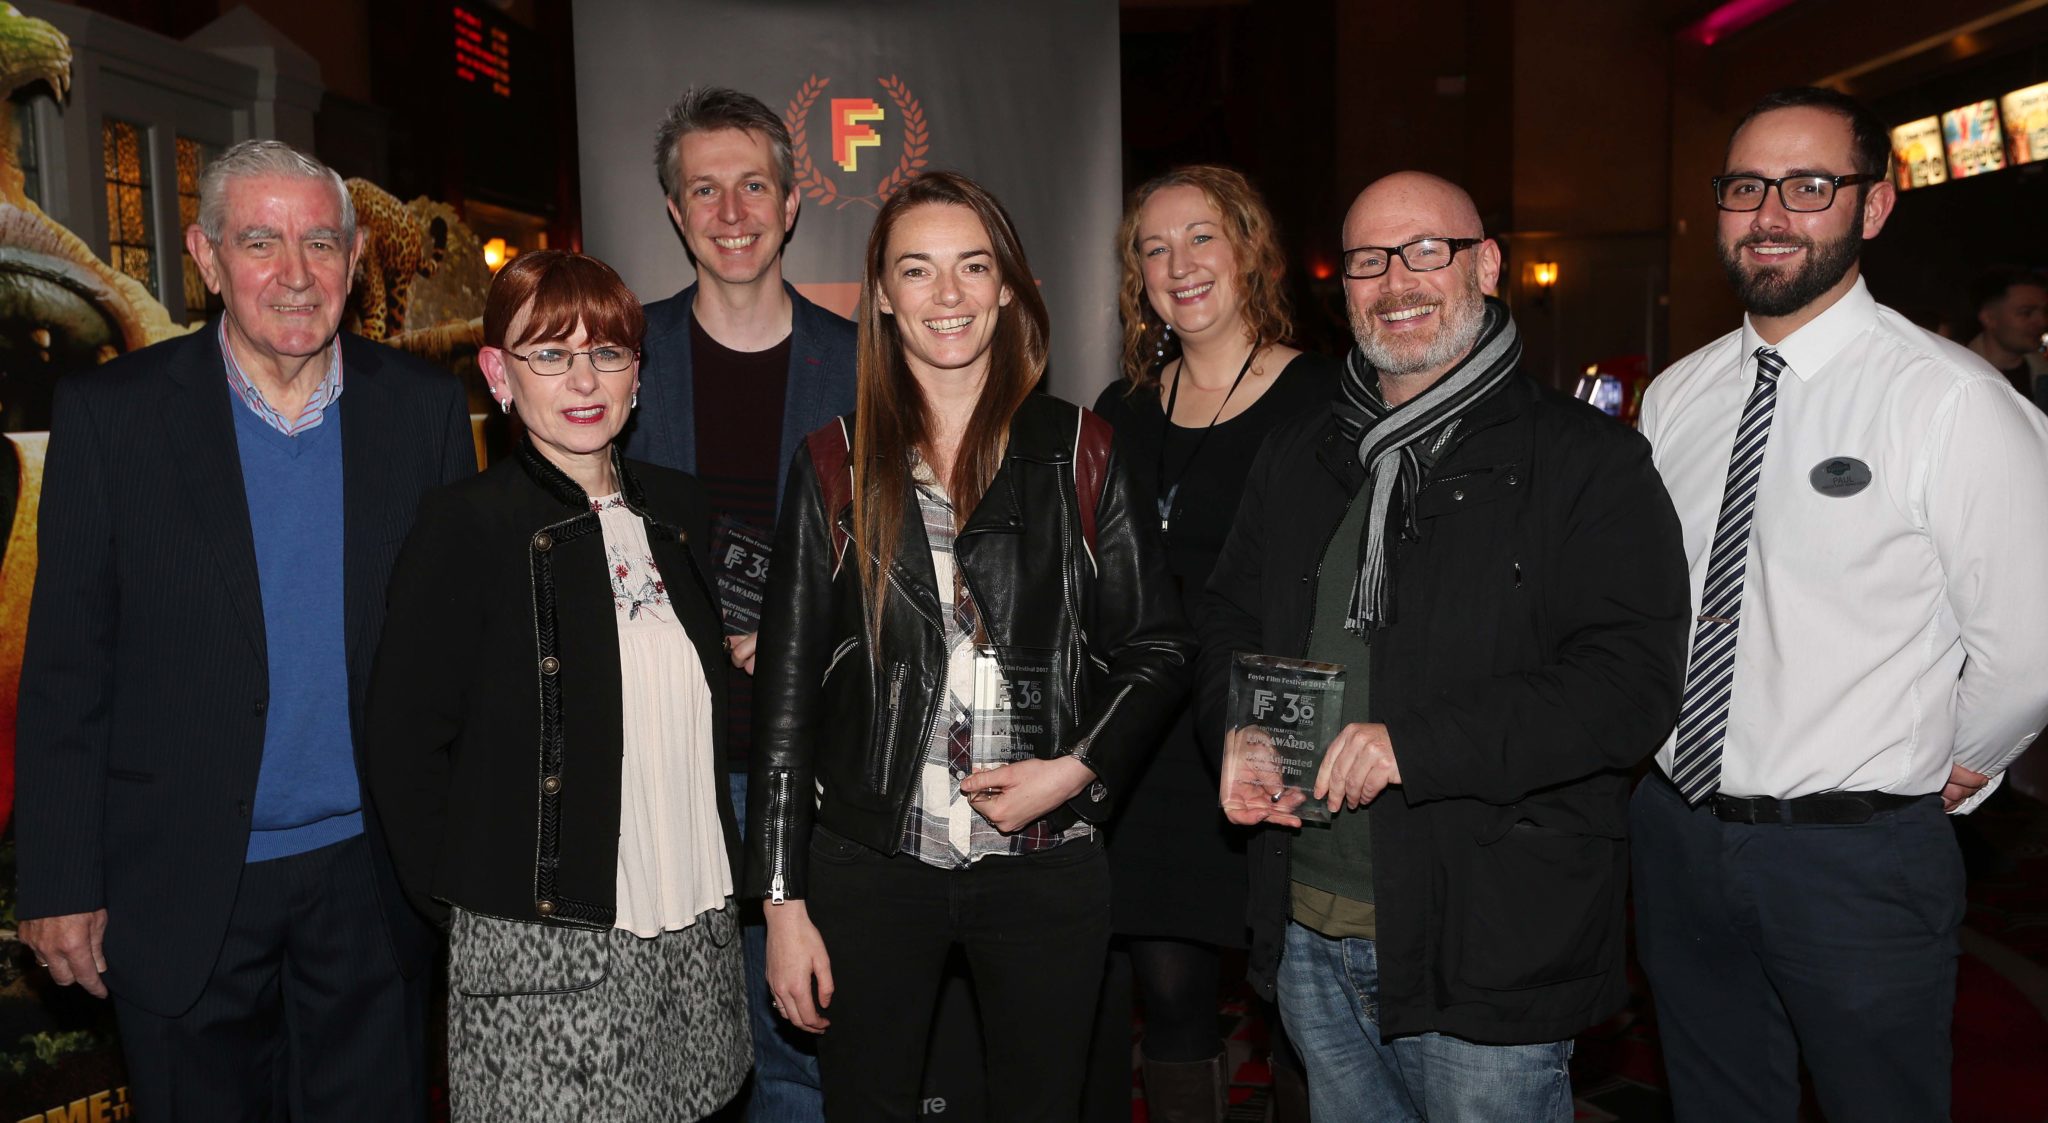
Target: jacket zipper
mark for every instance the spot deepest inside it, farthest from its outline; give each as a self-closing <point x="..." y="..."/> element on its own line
<point x="778" y="841"/>
<point x="1088" y="742"/>
<point x="1315" y="581"/>
<point x="895" y="723"/>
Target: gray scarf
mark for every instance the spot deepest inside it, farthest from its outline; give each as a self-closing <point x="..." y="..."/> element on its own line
<point x="1387" y="438"/>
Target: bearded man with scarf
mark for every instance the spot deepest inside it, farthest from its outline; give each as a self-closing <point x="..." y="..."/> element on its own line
<point x="1501" y="572"/>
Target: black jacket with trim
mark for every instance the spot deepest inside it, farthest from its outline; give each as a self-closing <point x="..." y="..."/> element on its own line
<point x="496" y="734"/>
<point x="1535" y="658"/>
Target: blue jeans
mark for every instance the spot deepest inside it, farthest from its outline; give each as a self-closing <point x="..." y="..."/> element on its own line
<point x="785" y="1088"/>
<point x="1329" y="995"/>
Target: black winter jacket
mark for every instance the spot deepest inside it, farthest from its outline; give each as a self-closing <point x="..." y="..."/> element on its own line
<point x="840" y="730"/>
<point x="1534" y="659"/>
<point x="495" y="727"/>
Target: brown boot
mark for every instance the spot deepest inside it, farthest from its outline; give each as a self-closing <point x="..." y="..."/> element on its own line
<point x="1185" y="1092"/>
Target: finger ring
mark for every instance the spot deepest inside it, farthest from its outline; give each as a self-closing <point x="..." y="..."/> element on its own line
<point x="1276" y="797"/>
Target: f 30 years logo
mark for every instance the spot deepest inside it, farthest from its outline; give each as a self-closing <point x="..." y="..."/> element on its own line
<point x="853" y="126"/>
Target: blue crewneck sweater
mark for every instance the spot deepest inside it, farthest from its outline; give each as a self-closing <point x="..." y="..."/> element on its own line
<point x="307" y="794"/>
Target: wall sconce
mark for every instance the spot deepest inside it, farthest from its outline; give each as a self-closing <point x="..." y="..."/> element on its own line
<point x="1543" y="274"/>
<point x="497" y="253"/>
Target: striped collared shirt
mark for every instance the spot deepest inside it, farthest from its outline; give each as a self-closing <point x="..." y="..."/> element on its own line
<point x="324" y="395"/>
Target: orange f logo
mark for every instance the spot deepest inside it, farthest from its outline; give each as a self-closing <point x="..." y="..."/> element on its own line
<point x="849" y="136"/>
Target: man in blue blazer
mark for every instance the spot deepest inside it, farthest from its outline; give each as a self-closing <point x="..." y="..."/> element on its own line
<point x="735" y="371"/>
<point x="219" y="517"/>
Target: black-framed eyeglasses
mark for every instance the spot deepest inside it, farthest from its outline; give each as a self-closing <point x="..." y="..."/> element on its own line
<point x="1420" y="256"/>
<point x="548" y="362"/>
<point x="1799" y="193"/>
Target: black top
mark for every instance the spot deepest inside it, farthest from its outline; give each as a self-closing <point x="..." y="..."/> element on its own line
<point x="740" y="397"/>
<point x="739" y="426"/>
<point x="1178" y="866"/>
<point x="1211" y="479"/>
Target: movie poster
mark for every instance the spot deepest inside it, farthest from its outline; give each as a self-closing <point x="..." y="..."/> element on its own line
<point x="1917" y="154"/>
<point x="1975" y="143"/>
<point x="2026" y="123"/>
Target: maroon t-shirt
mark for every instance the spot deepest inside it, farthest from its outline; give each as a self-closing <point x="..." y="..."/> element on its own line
<point x="739" y="451"/>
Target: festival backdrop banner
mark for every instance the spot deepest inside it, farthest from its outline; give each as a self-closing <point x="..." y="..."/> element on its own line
<point x="1021" y="97"/>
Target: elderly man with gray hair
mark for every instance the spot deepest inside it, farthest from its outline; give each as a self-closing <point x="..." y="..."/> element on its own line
<point x="218" y="523"/>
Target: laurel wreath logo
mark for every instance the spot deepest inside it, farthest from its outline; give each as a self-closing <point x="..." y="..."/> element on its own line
<point x="819" y="187"/>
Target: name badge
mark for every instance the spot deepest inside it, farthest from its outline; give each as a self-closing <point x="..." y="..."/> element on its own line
<point x="1839" y="477"/>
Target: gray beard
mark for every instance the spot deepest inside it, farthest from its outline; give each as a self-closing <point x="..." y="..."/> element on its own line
<point x="1463" y="322"/>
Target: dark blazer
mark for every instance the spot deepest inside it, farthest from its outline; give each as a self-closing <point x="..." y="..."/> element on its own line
<point x="145" y="681"/>
<point x="820" y="387"/>
<point x="495" y="727"/>
<point x="1533" y="660"/>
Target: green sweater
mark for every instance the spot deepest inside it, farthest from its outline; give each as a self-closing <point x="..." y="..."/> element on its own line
<point x="1332" y="865"/>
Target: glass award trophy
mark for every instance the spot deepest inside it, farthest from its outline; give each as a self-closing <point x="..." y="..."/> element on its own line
<point x="1282" y="716"/>
<point x="740" y="554"/>
<point x="1012" y="705"/>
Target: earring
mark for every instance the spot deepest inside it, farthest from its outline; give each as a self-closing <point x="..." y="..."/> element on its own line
<point x="505" y="404"/>
<point x="635" y="403"/>
<point x="1165" y="337"/>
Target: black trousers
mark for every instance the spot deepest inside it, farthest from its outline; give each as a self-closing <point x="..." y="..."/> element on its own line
<point x="1766" y="942"/>
<point x="1035" y="930"/>
<point x="305" y="1017"/>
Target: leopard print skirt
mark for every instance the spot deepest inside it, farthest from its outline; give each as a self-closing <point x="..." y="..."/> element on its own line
<point x="548" y="1023"/>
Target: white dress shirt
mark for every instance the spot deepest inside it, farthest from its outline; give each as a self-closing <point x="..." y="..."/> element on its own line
<point x="1888" y="633"/>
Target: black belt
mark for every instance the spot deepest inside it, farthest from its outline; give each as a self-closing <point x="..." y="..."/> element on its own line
<point x="1835" y="808"/>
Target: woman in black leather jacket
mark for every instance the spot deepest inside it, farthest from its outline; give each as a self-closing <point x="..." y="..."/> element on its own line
<point x="970" y="643"/>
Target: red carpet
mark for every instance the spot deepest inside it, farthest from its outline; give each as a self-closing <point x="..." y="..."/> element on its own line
<point x="2001" y="1044"/>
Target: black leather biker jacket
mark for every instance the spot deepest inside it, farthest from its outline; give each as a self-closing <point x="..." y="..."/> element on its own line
<point x="841" y="728"/>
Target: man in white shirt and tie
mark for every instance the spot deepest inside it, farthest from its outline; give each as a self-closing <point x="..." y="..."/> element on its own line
<point x="1864" y="506"/>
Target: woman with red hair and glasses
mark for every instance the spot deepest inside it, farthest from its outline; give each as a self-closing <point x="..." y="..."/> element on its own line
<point x="545" y="738"/>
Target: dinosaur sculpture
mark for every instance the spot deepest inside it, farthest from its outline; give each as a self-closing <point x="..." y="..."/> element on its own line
<point x="61" y="309"/>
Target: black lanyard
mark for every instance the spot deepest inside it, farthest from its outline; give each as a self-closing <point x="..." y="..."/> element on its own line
<point x="1168" y="491"/>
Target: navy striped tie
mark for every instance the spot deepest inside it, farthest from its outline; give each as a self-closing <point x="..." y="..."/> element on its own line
<point x="1703" y="716"/>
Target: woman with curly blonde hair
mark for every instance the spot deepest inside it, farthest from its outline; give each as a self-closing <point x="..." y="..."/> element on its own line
<point x="1207" y="373"/>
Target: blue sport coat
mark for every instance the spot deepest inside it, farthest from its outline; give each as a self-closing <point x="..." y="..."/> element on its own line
<point x="820" y="387"/>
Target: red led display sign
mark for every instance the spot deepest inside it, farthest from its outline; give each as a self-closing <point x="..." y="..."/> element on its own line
<point x="483" y="51"/>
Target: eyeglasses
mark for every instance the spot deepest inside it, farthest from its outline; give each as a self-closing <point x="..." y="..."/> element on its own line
<point x="1800" y="193"/>
<point x="549" y="362"/>
<point x="1420" y="256"/>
